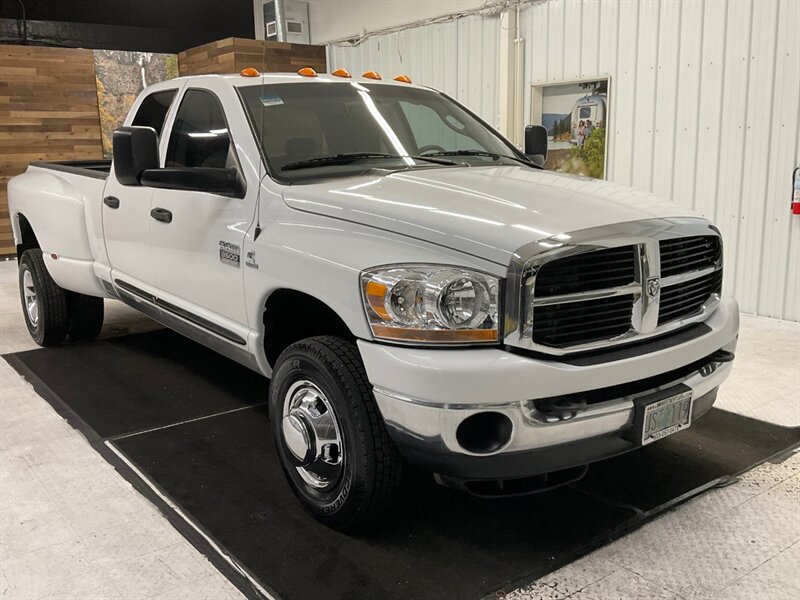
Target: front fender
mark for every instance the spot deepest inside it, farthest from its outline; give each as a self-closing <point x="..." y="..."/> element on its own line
<point x="324" y="257"/>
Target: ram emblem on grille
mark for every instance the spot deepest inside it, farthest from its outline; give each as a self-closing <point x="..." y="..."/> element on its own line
<point x="653" y="284"/>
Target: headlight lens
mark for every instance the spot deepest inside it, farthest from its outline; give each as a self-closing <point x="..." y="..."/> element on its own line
<point x="430" y="303"/>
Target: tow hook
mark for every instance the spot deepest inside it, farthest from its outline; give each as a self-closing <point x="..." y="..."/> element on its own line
<point x="719" y="357"/>
<point x="560" y="409"/>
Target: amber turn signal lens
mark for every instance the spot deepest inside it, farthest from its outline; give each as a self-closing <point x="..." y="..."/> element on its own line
<point x="403" y="79"/>
<point x="376" y="296"/>
<point x="456" y="336"/>
<point x="249" y="72"/>
<point x="341" y="73"/>
<point x="371" y="75"/>
<point x="307" y="72"/>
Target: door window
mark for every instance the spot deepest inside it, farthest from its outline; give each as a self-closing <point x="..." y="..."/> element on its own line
<point x="200" y="135"/>
<point x="153" y="110"/>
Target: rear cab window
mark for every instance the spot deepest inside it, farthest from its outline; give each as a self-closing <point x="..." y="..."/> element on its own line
<point x="153" y="110"/>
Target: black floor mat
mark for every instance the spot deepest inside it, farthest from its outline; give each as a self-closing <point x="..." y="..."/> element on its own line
<point x="436" y="543"/>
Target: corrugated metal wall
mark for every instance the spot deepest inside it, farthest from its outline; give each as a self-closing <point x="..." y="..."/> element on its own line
<point x="460" y="58"/>
<point x="705" y="98"/>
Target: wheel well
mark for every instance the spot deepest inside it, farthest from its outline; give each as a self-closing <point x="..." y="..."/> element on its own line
<point x="290" y="316"/>
<point x="28" y="237"/>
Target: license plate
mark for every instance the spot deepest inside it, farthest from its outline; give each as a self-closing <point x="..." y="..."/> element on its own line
<point x="665" y="416"/>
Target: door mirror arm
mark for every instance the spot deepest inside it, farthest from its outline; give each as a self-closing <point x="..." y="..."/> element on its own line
<point x="224" y="182"/>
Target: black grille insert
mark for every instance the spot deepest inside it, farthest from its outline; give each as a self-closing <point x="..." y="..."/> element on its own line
<point x="685" y="299"/>
<point x="588" y="271"/>
<point x="571" y="323"/>
<point x="680" y="255"/>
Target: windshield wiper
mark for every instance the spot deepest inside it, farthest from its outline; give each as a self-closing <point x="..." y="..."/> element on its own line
<point x="480" y="153"/>
<point x="351" y="157"/>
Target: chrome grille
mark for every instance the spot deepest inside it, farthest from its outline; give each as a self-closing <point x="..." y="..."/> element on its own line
<point x="686" y="254"/>
<point x="581" y="322"/>
<point x="613" y="285"/>
<point x="587" y="272"/>
<point x="684" y="299"/>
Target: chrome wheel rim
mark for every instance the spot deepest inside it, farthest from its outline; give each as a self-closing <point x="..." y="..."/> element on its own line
<point x="29" y="297"/>
<point x="312" y="435"/>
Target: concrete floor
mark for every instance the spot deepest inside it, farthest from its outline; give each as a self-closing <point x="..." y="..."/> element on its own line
<point x="72" y="527"/>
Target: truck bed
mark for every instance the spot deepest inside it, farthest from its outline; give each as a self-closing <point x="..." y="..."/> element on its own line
<point x="98" y="169"/>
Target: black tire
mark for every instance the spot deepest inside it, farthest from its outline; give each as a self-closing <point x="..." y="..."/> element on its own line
<point x="49" y="328"/>
<point x="85" y="316"/>
<point x="370" y="463"/>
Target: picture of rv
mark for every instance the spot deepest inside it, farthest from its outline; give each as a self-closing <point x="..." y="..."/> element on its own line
<point x="591" y="108"/>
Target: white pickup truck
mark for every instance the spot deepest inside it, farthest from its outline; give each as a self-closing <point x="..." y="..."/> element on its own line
<point x="415" y="287"/>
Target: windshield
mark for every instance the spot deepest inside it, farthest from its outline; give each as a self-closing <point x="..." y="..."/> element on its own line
<point x="327" y="129"/>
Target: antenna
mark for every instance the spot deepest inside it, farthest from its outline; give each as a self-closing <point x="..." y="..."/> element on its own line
<point x="260" y="141"/>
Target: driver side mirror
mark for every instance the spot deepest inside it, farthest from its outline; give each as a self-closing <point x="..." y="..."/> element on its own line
<point x="135" y="151"/>
<point x="536" y="144"/>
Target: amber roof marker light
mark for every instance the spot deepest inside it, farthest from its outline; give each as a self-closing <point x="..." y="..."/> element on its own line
<point x="371" y="75"/>
<point x="249" y="72"/>
<point x="341" y="73"/>
<point x="307" y="72"/>
<point x="403" y="79"/>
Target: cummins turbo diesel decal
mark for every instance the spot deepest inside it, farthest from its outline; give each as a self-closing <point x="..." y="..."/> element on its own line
<point x="229" y="254"/>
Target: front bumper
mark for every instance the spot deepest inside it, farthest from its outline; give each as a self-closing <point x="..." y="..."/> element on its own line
<point x="425" y="394"/>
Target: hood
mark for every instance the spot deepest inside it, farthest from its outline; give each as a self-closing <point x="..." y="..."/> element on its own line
<point x="485" y="211"/>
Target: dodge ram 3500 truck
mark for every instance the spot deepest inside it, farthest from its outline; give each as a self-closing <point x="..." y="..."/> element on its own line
<point x="415" y="287"/>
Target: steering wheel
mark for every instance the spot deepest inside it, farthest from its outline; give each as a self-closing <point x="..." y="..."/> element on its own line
<point x="430" y="147"/>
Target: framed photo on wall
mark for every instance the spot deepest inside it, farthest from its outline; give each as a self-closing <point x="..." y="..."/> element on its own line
<point x="575" y="114"/>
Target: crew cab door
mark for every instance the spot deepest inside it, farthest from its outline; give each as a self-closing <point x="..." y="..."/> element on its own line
<point x="126" y="209"/>
<point x="196" y="237"/>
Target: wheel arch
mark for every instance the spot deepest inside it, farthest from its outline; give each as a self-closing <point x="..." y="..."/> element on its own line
<point x="290" y="315"/>
<point x="26" y="236"/>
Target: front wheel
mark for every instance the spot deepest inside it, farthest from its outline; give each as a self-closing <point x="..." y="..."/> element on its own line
<point x="331" y="440"/>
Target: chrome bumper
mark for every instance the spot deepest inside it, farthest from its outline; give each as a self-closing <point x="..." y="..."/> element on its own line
<point x="433" y="428"/>
<point x="444" y="387"/>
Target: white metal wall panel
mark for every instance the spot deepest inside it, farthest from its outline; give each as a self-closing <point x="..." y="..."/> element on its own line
<point x="705" y="103"/>
<point x="644" y="104"/>
<point x="705" y="96"/>
<point x="666" y="117"/>
<point x="781" y="245"/>
<point x="460" y="58"/>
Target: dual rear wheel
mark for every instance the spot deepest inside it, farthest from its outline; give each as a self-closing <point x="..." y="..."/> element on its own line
<point x="51" y="313"/>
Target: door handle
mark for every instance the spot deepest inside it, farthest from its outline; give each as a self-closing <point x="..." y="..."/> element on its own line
<point x="161" y="214"/>
<point x="111" y="201"/>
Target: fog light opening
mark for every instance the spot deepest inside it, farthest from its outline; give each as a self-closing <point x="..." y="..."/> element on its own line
<point x="484" y="432"/>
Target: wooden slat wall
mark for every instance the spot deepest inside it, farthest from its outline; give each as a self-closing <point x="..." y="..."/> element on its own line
<point x="231" y="55"/>
<point x="48" y="111"/>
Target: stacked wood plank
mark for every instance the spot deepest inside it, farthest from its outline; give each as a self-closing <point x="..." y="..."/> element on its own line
<point x="231" y="55"/>
<point x="48" y="111"/>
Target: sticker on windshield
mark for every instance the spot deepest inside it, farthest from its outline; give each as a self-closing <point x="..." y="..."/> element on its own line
<point x="271" y="100"/>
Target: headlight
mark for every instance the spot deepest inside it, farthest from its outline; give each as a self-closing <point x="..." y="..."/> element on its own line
<point x="430" y="303"/>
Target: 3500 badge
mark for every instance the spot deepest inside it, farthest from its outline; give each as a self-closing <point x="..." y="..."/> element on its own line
<point x="229" y="254"/>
